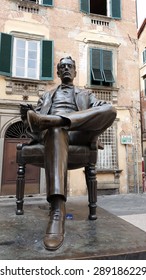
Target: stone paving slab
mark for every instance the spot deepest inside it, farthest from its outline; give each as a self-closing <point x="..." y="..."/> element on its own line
<point x="123" y="204"/>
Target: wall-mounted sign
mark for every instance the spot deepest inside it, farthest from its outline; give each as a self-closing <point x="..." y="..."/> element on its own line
<point x="126" y="139"/>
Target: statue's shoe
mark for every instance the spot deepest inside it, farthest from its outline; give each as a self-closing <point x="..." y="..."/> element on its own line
<point x="54" y="236"/>
<point x="39" y="123"/>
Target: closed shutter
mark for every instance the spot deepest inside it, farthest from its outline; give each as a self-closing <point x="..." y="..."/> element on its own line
<point x="47" y="60"/>
<point x="144" y="87"/>
<point x="144" y="56"/>
<point x="47" y="2"/>
<point x="116" y="8"/>
<point x="107" y="66"/>
<point x="85" y="6"/>
<point x="96" y="65"/>
<point x="5" y="54"/>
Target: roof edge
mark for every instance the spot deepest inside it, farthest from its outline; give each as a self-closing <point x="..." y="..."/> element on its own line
<point x="141" y="28"/>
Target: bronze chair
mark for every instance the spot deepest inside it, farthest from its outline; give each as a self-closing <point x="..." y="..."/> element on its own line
<point x="34" y="154"/>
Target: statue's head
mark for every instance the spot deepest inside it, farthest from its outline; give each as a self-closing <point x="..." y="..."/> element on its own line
<point x="66" y="70"/>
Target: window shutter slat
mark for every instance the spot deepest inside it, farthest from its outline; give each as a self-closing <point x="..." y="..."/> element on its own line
<point x="5" y="54"/>
<point x="47" y="60"/>
<point x="85" y="6"/>
<point x="47" y="2"/>
<point x="96" y="65"/>
<point x="116" y="8"/>
<point x="107" y="66"/>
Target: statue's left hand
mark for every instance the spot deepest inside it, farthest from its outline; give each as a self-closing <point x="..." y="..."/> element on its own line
<point x="24" y="108"/>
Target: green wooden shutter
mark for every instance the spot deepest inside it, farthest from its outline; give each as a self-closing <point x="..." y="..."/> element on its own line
<point x="85" y="6"/>
<point x="144" y="56"/>
<point x="107" y="66"/>
<point x="47" y="60"/>
<point x="96" y="65"/>
<point x="145" y="87"/>
<point x="48" y="2"/>
<point x="116" y="8"/>
<point x="5" y="54"/>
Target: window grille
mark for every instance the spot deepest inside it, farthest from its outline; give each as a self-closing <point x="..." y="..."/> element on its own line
<point x="16" y="130"/>
<point x="107" y="158"/>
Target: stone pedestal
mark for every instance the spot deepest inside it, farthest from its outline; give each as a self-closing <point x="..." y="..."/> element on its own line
<point x="108" y="237"/>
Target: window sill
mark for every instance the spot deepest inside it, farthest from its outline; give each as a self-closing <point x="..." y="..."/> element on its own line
<point x="103" y="17"/>
<point x="116" y="172"/>
<point x="101" y="88"/>
<point x="112" y="171"/>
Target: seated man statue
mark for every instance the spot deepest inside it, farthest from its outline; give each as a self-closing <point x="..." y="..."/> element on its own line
<point x="66" y="115"/>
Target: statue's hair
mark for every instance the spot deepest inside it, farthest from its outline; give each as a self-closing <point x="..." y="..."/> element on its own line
<point x="68" y="57"/>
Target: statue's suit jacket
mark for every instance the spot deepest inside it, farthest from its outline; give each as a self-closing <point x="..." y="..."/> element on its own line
<point x="83" y="99"/>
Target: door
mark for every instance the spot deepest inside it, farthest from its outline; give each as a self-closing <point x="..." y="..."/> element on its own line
<point x="9" y="171"/>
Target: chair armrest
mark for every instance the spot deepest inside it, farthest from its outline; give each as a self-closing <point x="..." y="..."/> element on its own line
<point x="19" y="158"/>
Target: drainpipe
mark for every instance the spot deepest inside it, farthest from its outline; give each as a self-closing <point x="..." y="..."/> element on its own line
<point x="143" y="176"/>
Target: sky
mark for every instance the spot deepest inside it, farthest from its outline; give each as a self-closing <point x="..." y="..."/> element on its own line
<point x="141" y="11"/>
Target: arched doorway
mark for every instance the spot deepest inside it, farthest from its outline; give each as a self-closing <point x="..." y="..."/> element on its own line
<point x="15" y="134"/>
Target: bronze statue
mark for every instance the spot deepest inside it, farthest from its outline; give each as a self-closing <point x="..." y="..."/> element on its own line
<point x="63" y="116"/>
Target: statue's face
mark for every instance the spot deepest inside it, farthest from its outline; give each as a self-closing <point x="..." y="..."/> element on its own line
<point x="66" y="71"/>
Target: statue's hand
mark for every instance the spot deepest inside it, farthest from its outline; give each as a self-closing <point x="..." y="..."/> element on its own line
<point x="24" y="108"/>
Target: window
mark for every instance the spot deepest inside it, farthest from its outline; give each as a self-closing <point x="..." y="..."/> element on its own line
<point x="110" y="8"/>
<point x="144" y="56"/>
<point x="41" y="2"/>
<point x="32" y="59"/>
<point x="107" y="158"/>
<point x="101" y="70"/>
<point x="26" y="58"/>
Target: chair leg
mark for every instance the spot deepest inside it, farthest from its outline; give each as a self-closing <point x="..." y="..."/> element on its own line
<point x="92" y="190"/>
<point x="20" y="184"/>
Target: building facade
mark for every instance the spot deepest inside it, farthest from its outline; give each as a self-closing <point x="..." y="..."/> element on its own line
<point x="101" y="35"/>
<point x="142" y="65"/>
